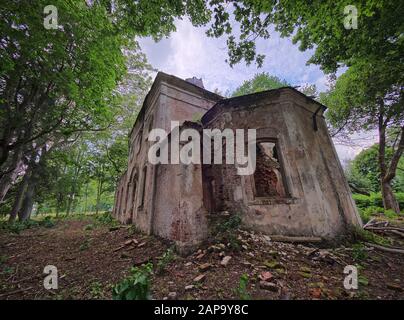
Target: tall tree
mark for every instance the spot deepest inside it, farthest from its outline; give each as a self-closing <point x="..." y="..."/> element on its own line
<point x="363" y="171"/>
<point x="90" y="162"/>
<point x="366" y="98"/>
<point x="260" y="82"/>
<point x="62" y="80"/>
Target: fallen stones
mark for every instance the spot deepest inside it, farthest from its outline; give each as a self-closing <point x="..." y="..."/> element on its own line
<point x="266" y="276"/>
<point x="395" y="287"/>
<point x="200" y="256"/>
<point x="217" y="247"/>
<point x="200" y="278"/>
<point x="315" y="293"/>
<point x="172" y="295"/>
<point x="204" y="267"/>
<point x="130" y="241"/>
<point x="225" y="261"/>
<point x="189" y="287"/>
<point x="270" y="286"/>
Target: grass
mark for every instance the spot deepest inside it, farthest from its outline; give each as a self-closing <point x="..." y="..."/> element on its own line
<point x="164" y="260"/>
<point x="367" y="236"/>
<point x="48" y="221"/>
<point x="96" y="290"/>
<point x="241" y="290"/>
<point x="359" y="252"/>
<point x="85" y="245"/>
<point x="372" y="211"/>
<point x="18" y="226"/>
<point x="224" y="232"/>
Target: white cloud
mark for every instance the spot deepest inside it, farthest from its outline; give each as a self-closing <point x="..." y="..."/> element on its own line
<point x="189" y="52"/>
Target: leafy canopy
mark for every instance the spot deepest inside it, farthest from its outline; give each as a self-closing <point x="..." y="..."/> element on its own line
<point x="260" y="82"/>
<point x="312" y="24"/>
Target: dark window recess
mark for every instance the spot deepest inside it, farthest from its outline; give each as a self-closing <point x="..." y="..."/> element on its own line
<point x="134" y="189"/>
<point x="143" y="186"/>
<point x="268" y="175"/>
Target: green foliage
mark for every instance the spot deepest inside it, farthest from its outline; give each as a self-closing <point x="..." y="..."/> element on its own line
<point x="233" y="242"/>
<point x="375" y="199"/>
<point x="358" y="252"/>
<point x="3" y="259"/>
<point x="241" y="290"/>
<point x="312" y="24"/>
<point x="106" y="219"/>
<point x="363" y="280"/>
<point x="96" y="290"/>
<point x="64" y="77"/>
<point x="364" y="172"/>
<point x="85" y="245"/>
<point x="18" y="226"/>
<point x="136" y="286"/>
<point x="164" y="260"/>
<point x="368" y="96"/>
<point x="261" y="82"/>
<point x="367" y="213"/>
<point x="47" y="222"/>
<point x="367" y="236"/>
<point x="233" y="222"/>
<point x="89" y="227"/>
<point x="225" y="232"/>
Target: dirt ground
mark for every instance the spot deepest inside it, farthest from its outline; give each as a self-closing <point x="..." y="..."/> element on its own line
<point x="91" y="258"/>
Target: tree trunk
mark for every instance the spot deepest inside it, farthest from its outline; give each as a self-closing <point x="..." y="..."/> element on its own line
<point x="86" y="197"/>
<point x="387" y="173"/>
<point x="69" y="203"/>
<point x="19" y="198"/>
<point x="99" y="191"/>
<point x="389" y="200"/>
<point x="28" y="203"/>
<point x="7" y="180"/>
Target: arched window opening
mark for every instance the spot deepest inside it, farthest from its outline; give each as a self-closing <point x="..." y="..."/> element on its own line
<point x="143" y="190"/>
<point x="268" y="175"/>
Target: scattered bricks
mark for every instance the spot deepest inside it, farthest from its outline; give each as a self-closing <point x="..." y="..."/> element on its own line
<point x="200" y="278"/>
<point x="225" y="261"/>
<point x="270" y="286"/>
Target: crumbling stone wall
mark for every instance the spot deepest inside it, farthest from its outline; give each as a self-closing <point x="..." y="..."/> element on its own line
<point x="299" y="188"/>
<point x="165" y="200"/>
<point x="310" y="196"/>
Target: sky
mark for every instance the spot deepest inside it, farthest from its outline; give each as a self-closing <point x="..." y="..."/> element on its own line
<point x="189" y="52"/>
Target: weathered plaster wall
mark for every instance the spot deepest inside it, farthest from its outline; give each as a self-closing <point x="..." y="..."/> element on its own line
<point x="318" y="201"/>
<point x="172" y="200"/>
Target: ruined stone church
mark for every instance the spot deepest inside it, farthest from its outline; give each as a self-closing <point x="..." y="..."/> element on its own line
<point x="298" y="188"/>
